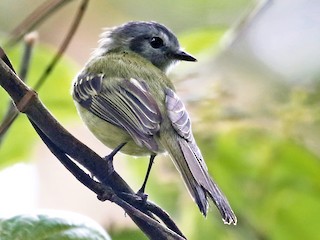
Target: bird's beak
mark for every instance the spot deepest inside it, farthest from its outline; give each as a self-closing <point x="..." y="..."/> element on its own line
<point x="183" y="56"/>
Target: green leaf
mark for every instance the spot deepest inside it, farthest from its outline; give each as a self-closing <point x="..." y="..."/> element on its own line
<point x="51" y="226"/>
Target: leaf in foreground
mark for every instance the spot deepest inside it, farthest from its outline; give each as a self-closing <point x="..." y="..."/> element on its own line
<point x="51" y="226"/>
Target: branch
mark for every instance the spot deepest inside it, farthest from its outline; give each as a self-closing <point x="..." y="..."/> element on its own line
<point x="35" y="19"/>
<point x="73" y="28"/>
<point x="109" y="185"/>
<point x="46" y="9"/>
<point x="12" y="112"/>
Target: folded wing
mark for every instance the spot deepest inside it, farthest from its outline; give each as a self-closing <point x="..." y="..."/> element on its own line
<point x="127" y="104"/>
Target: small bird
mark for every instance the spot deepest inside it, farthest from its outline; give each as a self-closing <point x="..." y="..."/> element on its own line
<point x="126" y="99"/>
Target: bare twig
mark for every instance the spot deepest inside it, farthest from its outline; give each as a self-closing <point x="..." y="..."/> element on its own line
<point x="35" y="19"/>
<point x="157" y="211"/>
<point x="6" y="60"/>
<point x="64" y="45"/>
<point x="30" y="39"/>
<point x="48" y="8"/>
<point x="109" y="186"/>
<point x="12" y="112"/>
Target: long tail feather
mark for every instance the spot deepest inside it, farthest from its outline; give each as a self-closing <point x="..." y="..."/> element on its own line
<point x="189" y="161"/>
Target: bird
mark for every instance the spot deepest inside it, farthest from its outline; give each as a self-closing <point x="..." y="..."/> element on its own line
<point x="124" y="96"/>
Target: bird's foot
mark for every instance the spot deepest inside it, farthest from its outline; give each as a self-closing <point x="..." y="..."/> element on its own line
<point x="138" y="197"/>
<point x="142" y="195"/>
<point x="109" y="161"/>
<point x="114" y="152"/>
<point x="109" y="158"/>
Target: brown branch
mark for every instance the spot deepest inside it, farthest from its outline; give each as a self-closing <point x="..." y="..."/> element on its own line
<point x="35" y="19"/>
<point x="110" y="186"/>
<point x="47" y="9"/>
<point x="6" y="60"/>
<point x="12" y="111"/>
<point x="73" y="28"/>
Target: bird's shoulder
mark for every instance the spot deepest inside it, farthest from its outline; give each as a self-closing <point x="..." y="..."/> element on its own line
<point x="115" y="68"/>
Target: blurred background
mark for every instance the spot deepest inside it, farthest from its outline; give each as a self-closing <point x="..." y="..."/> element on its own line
<point x="253" y="97"/>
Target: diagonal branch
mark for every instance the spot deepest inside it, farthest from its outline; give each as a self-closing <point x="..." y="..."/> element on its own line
<point x="35" y="19"/>
<point x="12" y="111"/>
<point x="68" y="149"/>
<point x="73" y="28"/>
<point x="46" y="9"/>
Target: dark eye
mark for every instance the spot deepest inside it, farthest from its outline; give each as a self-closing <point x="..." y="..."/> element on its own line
<point x="156" y="42"/>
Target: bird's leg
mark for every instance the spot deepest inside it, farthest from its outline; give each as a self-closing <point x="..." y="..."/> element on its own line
<point x="142" y="189"/>
<point x="109" y="158"/>
<point x="114" y="152"/>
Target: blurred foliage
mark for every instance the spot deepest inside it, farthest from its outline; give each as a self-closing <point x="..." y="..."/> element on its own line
<point x="123" y="234"/>
<point x="184" y="14"/>
<point x="208" y="37"/>
<point x="266" y="160"/>
<point x="277" y="177"/>
<point x="50" y="226"/>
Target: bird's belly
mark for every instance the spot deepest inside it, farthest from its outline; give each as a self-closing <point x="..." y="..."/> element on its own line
<point x="111" y="135"/>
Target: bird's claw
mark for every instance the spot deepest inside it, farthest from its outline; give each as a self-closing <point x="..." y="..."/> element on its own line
<point x="143" y="196"/>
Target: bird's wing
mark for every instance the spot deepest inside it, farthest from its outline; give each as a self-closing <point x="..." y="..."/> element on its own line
<point x="192" y="165"/>
<point x="181" y="123"/>
<point x="126" y="104"/>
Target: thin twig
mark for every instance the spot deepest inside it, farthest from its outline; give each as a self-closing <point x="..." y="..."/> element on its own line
<point x="83" y="177"/>
<point x="156" y="210"/>
<point x="29" y="39"/>
<point x="35" y="19"/>
<point x="5" y="58"/>
<point x="73" y="28"/>
<point x="12" y="112"/>
<point x="163" y="215"/>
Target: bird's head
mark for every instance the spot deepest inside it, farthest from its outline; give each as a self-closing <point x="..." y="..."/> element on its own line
<point x="150" y="40"/>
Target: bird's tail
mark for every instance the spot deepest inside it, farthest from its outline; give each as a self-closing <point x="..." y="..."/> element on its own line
<point x="189" y="161"/>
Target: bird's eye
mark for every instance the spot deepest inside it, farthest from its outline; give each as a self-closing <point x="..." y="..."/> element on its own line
<point x="156" y="42"/>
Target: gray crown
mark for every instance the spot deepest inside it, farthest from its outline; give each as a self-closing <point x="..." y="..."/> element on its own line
<point x="150" y="40"/>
